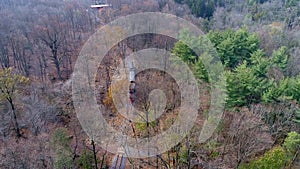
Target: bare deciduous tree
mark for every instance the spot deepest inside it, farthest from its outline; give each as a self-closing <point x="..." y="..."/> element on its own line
<point x="53" y="34"/>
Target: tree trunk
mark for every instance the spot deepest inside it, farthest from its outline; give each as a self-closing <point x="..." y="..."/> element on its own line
<point x="95" y="154"/>
<point x="56" y="63"/>
<point x="17" y="128"/>
<point x="189" y="152"/>
<point x="102" y="161"/>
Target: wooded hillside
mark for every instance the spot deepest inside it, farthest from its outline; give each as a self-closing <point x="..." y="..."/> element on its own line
<point x="257" y="41"/>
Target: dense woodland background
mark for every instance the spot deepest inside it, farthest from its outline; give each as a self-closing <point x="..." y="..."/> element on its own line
<point x="258" y="42"/>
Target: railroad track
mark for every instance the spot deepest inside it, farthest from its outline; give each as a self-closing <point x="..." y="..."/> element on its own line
<point x="120" y="159"/>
